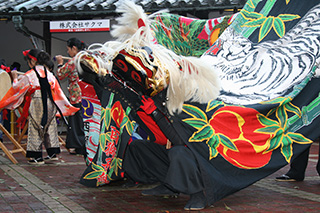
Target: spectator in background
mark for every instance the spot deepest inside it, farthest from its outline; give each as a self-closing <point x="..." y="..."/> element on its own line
<point x="75" y="141"/>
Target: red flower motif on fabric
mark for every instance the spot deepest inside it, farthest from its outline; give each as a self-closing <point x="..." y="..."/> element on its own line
<point x="117" y="113"/>
<point x="115" y="134"/>
<point x="106" y="165"/>
<point x="239" y="125"/>
<point x="103" y="178"/>
<point x="110" y="149"/>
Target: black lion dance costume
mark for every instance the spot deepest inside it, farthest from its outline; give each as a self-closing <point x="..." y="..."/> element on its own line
<point x="205" y="119"/>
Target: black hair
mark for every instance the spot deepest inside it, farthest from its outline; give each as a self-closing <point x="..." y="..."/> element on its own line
<point x="15" y="65"/>
<point x="77" y="43"/>
<point x="50" y="65"/>
<point x="2" y="62"/>
<point x="32" y="54"/>
<point x="43" y="58"/>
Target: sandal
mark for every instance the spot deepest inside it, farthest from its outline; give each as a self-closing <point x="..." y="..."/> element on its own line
<point x="38" y="161"/>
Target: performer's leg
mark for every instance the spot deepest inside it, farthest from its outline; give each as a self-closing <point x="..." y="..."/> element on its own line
<point x="298" y="168"/>
<point x="34" y="141"/>
<point x="299" y="165"/>
<point x="51" y="141"/>
<point x="34" y="144"/>
<point x="75" y="133"/>
<point x="183" y="173"/>
<point x="184" y="176"/>
<point x="146" y="162"/>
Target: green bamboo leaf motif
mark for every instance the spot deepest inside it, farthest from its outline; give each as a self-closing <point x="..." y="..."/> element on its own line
<point x="213" y="152"/>
<point x="282" y="116"/>
<point x="194" y="111"/>
<point x="196" y="123"/>
<point x="103" y="112"/>
<point x="268" y="129"/>
<point x="266" y="121"/>
<point x="288" y="17"/>
<point x="292" y="108"/>
<point x="107" y="118"/>
<point x="286" y="148"/>
<point x="299" y="138"/>
<point x="102" y="141"/>
<point x="271" y="112"/>
<point x="108" y="136"/>
<point x="116" y="164"/>
<point x="213" y="104"/>
<point x="279" y="27"/>
<point x="251" y="4"/>
<point x="227" y="142"/>
<point x="103" y="126"/>
<point x="96" y="167"/>
<point x="130" y="127"/>
<point x="93" y="175"/>
<point x="203" y="134"/>
<point x="213" y="143"/>
<point x="110" y="172"/>
<point x="265" y="27"/>
<point x="124" y="122"/>
<point x="106" y="114"/>
<point x="251" y="15"/>
<point x="254" y="23"/>
<point x="113" y="166"/>
<point x="275" y="142"/>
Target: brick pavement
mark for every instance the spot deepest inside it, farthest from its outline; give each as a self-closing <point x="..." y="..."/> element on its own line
<point x="56" y="188"/>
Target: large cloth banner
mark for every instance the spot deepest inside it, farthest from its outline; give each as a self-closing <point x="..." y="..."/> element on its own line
<point x="267" y="112"/>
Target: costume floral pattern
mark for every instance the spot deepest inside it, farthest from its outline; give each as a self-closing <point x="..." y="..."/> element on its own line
<point x="68" y="70"/>
<point x="242" y="135"/>
<point x="114" y="121"/>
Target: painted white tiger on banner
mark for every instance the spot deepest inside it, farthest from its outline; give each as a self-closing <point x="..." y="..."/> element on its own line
<point x="251" y="73"/>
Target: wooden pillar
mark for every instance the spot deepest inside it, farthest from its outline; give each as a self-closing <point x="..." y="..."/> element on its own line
<point x="47" y="36"/>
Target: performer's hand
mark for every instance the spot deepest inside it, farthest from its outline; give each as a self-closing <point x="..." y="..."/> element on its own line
<point x="169" y="144"/>
<point x="148" y="105"/>
<point x="59" y="59"/>
<point x="14" y="74"/>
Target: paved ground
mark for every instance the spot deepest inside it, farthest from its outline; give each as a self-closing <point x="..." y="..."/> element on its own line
<point x="56" y="188"/>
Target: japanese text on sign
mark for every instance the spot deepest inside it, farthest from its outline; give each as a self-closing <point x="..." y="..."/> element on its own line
<point x="80" y="25"/>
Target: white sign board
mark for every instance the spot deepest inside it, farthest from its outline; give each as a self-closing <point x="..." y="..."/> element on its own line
<point x="80" y="25"/>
